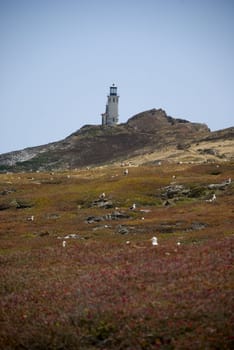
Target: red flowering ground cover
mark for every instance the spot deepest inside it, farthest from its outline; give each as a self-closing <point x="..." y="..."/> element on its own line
<point x="101" y="293"/>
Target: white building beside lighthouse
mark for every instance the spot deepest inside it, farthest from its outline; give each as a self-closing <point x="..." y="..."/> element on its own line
<point x="111" y="115"/>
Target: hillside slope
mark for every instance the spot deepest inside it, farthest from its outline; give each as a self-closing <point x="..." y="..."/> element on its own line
<point x="147" y="136"/>
<point x="108" y="287"/>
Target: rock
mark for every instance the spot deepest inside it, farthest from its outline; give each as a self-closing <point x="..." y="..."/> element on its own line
<point x="21" y="204"/>
<point x="15" y="203"/>
<point x="44" y="234"/>
<point x="167" y="203"/>
<point x="102" y="203"/>
<point x="210" y="151"/>
<point x="197" y="192"/>
<point x="4" y="205"/>
<point x="196" y="226"/>
<point x="92" y="219"/>
<point x="6" y="192"/>
<point x="53" y="216"/>
<point x="220" y="186"/>
<point x="122" y="230"/>
<point x="102" y="227"/>
<point x="116" y="215"/>
<point x="174" y="190"/>
<point x="170" y="227"/>
<point x="72" y="236"/>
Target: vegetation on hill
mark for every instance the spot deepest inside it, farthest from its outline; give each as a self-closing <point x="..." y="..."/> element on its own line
<point x="109" y="288"/>
<point x="151" y="134"/>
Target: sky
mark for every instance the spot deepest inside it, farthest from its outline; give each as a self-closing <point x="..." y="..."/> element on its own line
<point x="58" y="59"/>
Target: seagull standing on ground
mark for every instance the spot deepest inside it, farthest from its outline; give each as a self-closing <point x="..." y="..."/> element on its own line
<point x="154" y="241"/>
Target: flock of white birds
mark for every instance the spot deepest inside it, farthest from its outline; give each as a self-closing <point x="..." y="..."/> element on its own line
<point x="154" y="240"/>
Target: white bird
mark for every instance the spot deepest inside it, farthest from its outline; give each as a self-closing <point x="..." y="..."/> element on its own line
<point x="154" y="241"/>
<point x="133" y="206"/>
<point x="102" y="196"/>
<point x="126" y="172"/>
<point x="30" y="218"/>
<point x="64" y="244"/>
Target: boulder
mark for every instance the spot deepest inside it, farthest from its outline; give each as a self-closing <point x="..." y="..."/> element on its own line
<point x="122" y="230"/>
<point x="102" y="203"/>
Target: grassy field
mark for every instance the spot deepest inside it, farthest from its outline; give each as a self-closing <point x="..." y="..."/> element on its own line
<point x="109" y="288"/>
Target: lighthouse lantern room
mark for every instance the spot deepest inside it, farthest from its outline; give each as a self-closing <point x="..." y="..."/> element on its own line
<point x="111" y="116"/>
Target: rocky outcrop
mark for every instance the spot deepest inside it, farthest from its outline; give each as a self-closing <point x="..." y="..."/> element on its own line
<point x="116" y="215"/>
<point x="144" y="133"/>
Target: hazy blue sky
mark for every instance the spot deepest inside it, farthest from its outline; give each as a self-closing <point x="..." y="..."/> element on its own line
<point x="59" y="57"/>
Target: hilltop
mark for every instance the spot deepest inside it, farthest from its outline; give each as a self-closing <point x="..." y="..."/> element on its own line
<point x="147" y="137"/>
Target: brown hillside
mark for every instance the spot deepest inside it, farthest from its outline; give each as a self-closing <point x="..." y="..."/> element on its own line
<point x="147" y="136"/>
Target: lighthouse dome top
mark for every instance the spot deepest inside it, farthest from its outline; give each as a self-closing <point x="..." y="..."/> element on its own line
<point x="113" y="90"/>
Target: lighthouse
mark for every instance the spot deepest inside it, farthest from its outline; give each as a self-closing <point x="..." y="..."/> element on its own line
<point x="111" y="116"/>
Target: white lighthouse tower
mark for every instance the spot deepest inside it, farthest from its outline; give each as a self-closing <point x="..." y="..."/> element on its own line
<point x="111" y="115"/>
